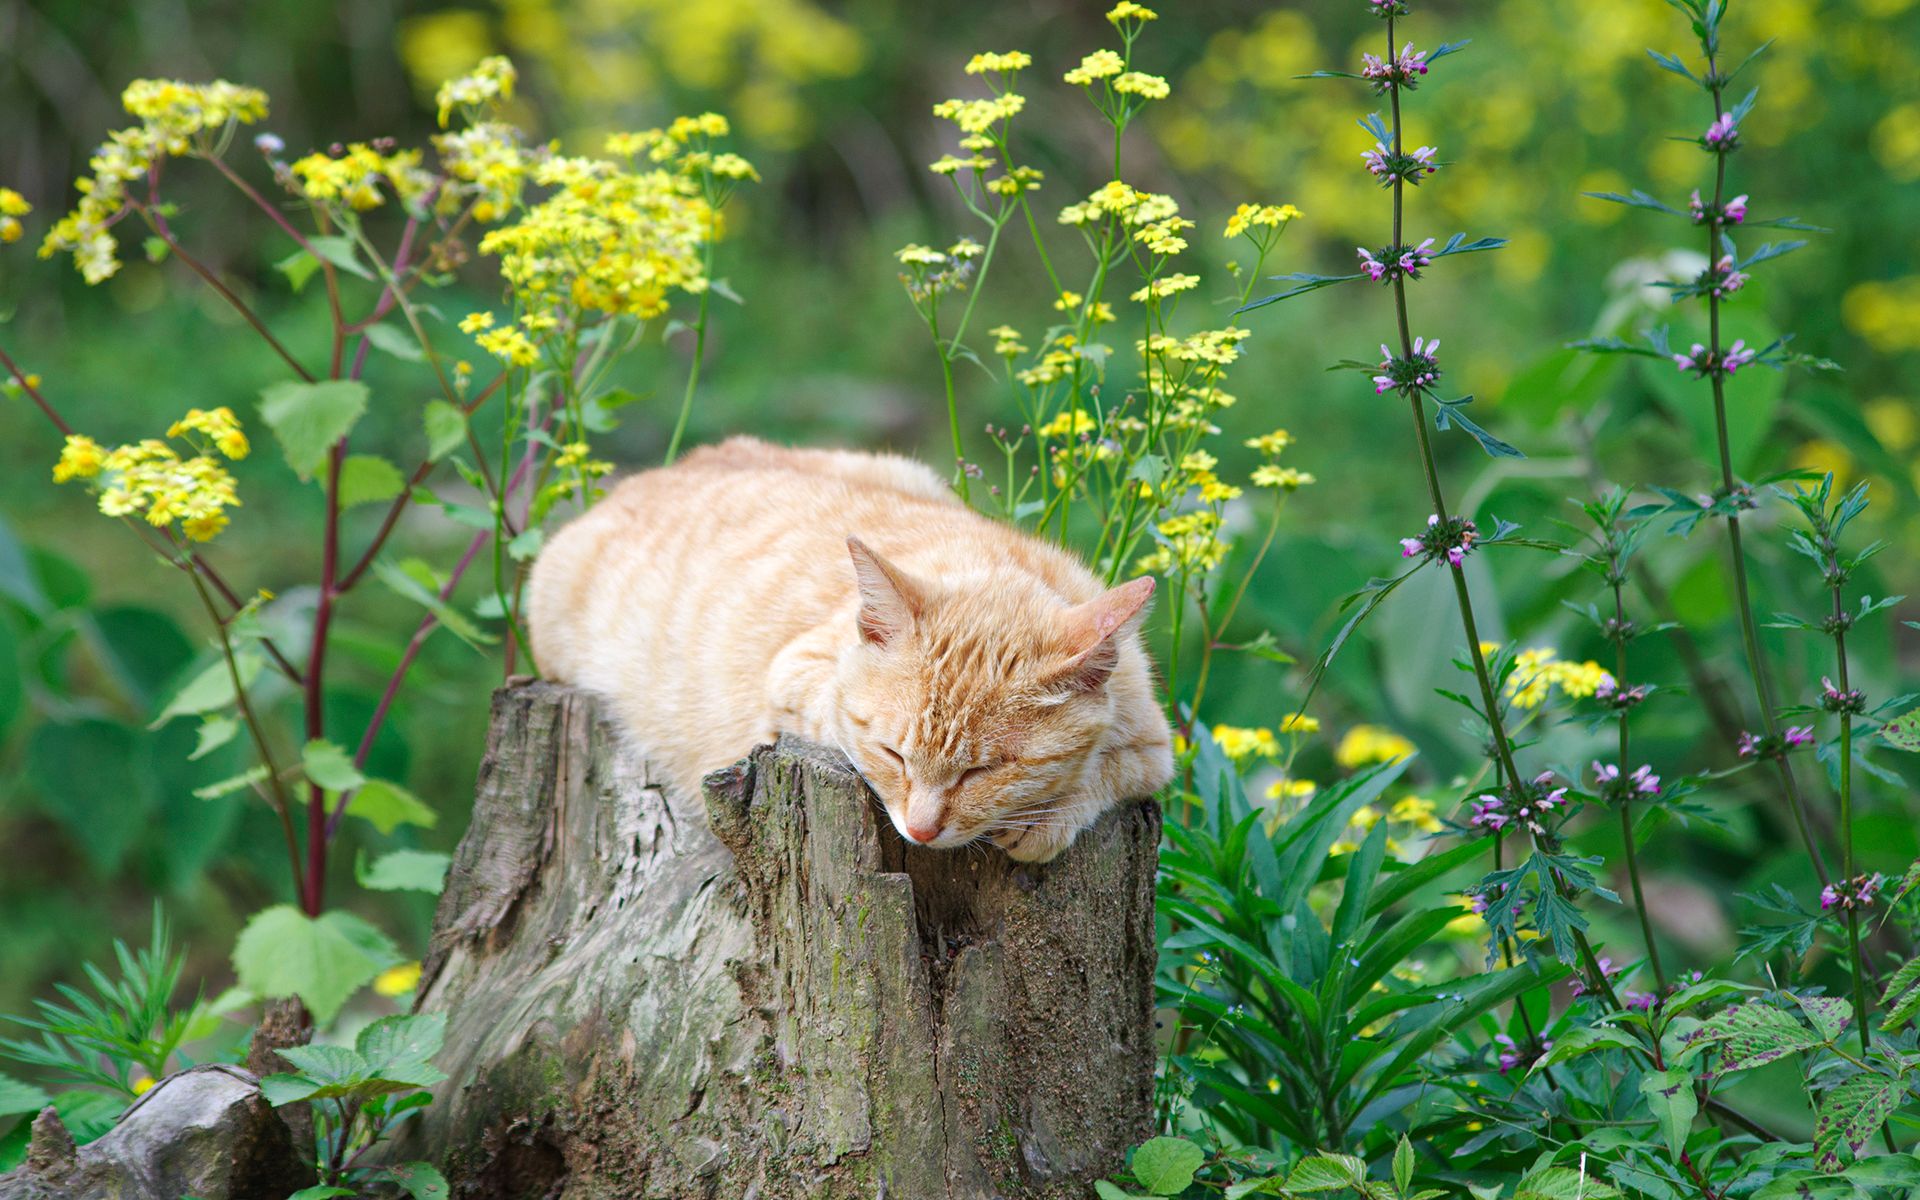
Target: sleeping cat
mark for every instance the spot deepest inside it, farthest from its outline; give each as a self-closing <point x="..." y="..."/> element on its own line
<point x="981" y="681"/>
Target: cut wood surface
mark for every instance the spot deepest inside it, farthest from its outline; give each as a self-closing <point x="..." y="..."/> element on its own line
<point x="765" y="993"/>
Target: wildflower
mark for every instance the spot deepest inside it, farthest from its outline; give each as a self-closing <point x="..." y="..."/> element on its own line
<point x="1127" y="10"/>
<point x="13" y="206"/>
<point x="510" y="345"/>
<point x="1757" y="745"/>
<point x="1723" y="279"/>
<point x="1858" y="892"/>
<point x="1642" y="1001"/>
<point x="965" y="248"/>
<point x="1239" y="743"/>
<point x="1417" y="812"/>
<point x="476" y="322"/>
<point x="488" y="86"/>
<point x="1736" y="209"/>
<point x="1391" y="262"/>
<point x="1139" y="83"/>
<point x="1723" y="135"/>
<point x="1270" y="444"/>
<point x="1101" y="64"/>
<point x="1733" y="211"/>
<point x="1366" y="744"/>
<point x="1287" y="479"/>
<point x="1012" y="60"/>
<point x="1529" y="805"/>
<point x="219" y="425"/>
<point x="1703" y="362"/>
<point x="1642" y="782"/>
<point x="1166" y="285"/>
<point x="1799" y="735"/>
<point x="1509" y="1052"/>
<point x="1417" y="372"/>
<point x="269" y="144"/>
<point x="80" y="458"/>
<point x="1291" y="789"/>
<point x="399" y="980"/>
<point x="1607" y="971"/>
<point x="979" y="116"/>
<point x="1387" y="8"/>
<point x="1007" y="343"/>
<point x="1852" y="701"/>
<point x="1403" y="71"/>
<point x="352" y="177"/>
<point x="1452" y="539"/>
<point x="1388" y="165"/>
<point x="1299" y="723"/>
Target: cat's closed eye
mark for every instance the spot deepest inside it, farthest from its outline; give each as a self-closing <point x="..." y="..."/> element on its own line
<point x="972" y="773"/>
<point x="894" y="757"/>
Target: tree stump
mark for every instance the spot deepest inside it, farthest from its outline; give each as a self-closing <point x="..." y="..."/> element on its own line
<point x="771" y="995"/>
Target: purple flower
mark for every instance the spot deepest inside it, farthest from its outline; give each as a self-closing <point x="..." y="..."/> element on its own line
<point x="1410" y="547"/>
<point x="1799" y="735"/>
<point x="1749" y="745"/>
<point x="1829" y="897"/>
<point x="1378" y="159"/>
<point x="1644" y="1001"/>
<point x="1696" y="359"/>
<point x="1834" y="700"/>
<point x="1733" y="211"/>
<point x="1858" y="892"/>
<point x="1605" y="772"/>
<point x="1697" y="207"/>
<point x="1488" y="813"/>
<point x="1645" y="781"/>
<point x="1704" y="362"/>
<point x="269" y="144"/>
<point x="1723" y="134"/>
<point x="1736" y="209"/>
<point x="1724" y="279"/>
<point x="1509" y="1053"/>
<point x="1375" y="269"/>
<point x="1408" y="375"/>
<point x="1607" y="969"/>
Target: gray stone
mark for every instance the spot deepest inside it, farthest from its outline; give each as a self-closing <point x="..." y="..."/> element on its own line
<point x="204" y="1133"/>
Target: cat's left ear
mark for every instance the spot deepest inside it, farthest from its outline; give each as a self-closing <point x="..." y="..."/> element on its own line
<point x="890" y="599"/>
<point x="1092" y="649"/>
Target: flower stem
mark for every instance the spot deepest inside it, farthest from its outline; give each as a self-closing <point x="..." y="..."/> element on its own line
<point x="1626" y="818"/>
<point x="699" y="354"/>
<point x="1757" y="668"/>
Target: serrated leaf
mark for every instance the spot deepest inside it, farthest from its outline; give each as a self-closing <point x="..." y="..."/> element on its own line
<point x="406" y="583"/>
<point x="1902" y="997"/>
<point x="210" y="689"/>
<point x="1830" y="1015"/>
<point x="1165" y="1165"/>
<point x="1903" y="732"/>
<point x="419" y="1180"/>
<point x="1585" y="1040"/>
<point x="17" y="1097"/>
<point x="323" y="960"/>
<point x="308" y="418"/>
<point x="1326" y="1173"/>
<point x="405" y="871"/>
<point x="446" y="429"/>
<point x="342" y="253"/>
<point x="1563" y="1183"/>
<point x="330" y="766"/>
<point x="1850" y="1113"/>
<point x="369" y="479"/>
<point x="398" y="342"/>
<point x="1671" y="1095"/>
<point x="387" y="806"/>
<point x="405" y="1043"/>
<point x="1403" y="1165"/>
<point x="214" y="732"/>
<point x="1755" y="1034"/>
<point x="232" y="783"/>
<point x="526" y="544"/>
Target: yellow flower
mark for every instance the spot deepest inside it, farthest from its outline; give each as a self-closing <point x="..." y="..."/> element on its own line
<point x="978" y="116"/>
<point x="1286" y="478"/>
<point x="1342" y="847"/>
<point x="1291" y="789"/>
<point x="219" y="425"/>
<point x="732" y="166"/>
<point x="13" y="206"/>
<point x="1012" y="60"/>
<point x="1364" y="818"/>
<point x="1068" y="301"/>
<point x="510" y="345"/>
<point x="489" y="86"/>
<point x="1069" y="425"/>
<point x="143" y="1085"/>
<point x="80" y="458"/>
<point x="1139" y="83"/>
<point x="1239" y="743"/>
<point x="1536" y="670"/>
<point x="1414" y="811"/>
<point x="397" y="981"/>
<point x="1127" y="10"/>
<point x="914" y="254"/>
<point x="1101" y="64"/>
<point x="1006" y="342"/>
<point x="1249" y="216"/>
<point x="476" y="322"/>
<point x="1364" y="744"/>
<point x="1166" y="285"/>
<point x="1300" y="723"/>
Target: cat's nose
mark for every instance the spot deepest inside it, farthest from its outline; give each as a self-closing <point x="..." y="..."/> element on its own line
<point x="923" y="833"/>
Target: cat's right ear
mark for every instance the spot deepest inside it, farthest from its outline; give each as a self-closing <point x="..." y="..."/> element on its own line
<point x="890" y="600"/>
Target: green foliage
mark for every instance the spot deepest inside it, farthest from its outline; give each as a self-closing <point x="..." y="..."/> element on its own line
<point x="361" y="1094"/>
<point x="308" y="418"/>
<point x="322" y="960"/>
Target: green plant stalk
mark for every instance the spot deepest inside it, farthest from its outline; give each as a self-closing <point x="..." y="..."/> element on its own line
<point x="1626" y="818"/>
<point x="1503" y="751"/>
<point x="1749" y="633"/>
<point x="1847" y="868"/>
<point x="699" y="355"/>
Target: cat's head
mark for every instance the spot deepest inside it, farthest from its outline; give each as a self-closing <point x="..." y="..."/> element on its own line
<point x="977" y="706"/>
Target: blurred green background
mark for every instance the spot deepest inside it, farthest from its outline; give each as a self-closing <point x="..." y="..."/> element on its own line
<point x="832" y="102"/>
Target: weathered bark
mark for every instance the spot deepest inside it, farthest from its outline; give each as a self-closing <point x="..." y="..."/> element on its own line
<point x="800" y="1006"/>
<point x="205" y="1133"/>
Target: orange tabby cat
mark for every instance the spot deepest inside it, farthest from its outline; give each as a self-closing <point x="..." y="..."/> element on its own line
<point x="981" y="681"/>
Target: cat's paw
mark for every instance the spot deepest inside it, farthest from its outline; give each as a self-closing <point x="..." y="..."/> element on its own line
<point x="1041" y="843"/>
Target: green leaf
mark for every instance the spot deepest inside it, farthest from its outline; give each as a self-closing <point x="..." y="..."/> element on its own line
<point x="387" y="806"/>
<point x="390" y="339"/>
<point x="1674" y="1105"/>
<point x="232" y="783"/>
<point x="1830" y="1014"/>
<point x="342" y="253"/>
<point x="298" y="267"/>
<point x="1903" y="732"/>
<point x="323" y="961"/>
<point x="87" y="781"/>
<point x="369" y="479"/>
<point x="405" y="871"/>
<point x="1327" y="1173"/>
<point x="308" y="418"/>
<point x="17" y="1097"/>
<point x="1755" y="1034"/>
<point x="214" y="732"/>
<point x="1403" y="1165"/>
<point x="446" y="429"/>
<point x="1563" y="1183"/>
<point x="419" y="1180"/>
<point x="1851" y="1112"/>
<point x="1109" y="1191"/>
<point x="396" y="1047"/>
<point x="407" y="580"/>
<point x="210" y="689"/>
<point x="1585" y="1040"/>
<point x="319" y="1191"/>
<point x="1165" y="1165"/>
<point x="526" y="544"/>
<point x="330" y="766"/>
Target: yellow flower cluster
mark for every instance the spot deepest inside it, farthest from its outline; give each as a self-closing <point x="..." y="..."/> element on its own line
<point x="1126" y="11"/>
<point x="1539" y="669"/>
<point x="978" y="116"/>
<point x="1366" y="744"/>
<point x="1249" y="217"/>
<point x="1166" y="285"/>
<point x="1190" y="542"/>
<point x="1013" y="60"/>
<point x="1240" y="744"/>
<point x="1412" y="812"/>
<point x="175" y="119"/>
<point x="487" y="165"/>
<point x="1101" y="64"/>
<point x="353" y="177"/>
<point x="1139" y="83"/>
<point x="487" y="87"/>
<point x="151" y="478"/>
<point x="13" y="206"/>
<point x="1270" y="474"/>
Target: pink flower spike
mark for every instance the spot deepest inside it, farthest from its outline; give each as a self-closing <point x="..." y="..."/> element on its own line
<point x="1737" y="208"/>
<point x="1409" y="547"/>
<point x="1800" y="735"/>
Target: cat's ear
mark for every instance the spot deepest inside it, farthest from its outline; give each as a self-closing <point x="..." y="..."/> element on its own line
<point x="890" y="599"/>
<point x="1091" y="649"/>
